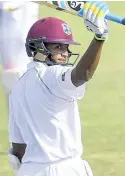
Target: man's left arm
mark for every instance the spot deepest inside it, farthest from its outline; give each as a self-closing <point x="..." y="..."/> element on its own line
<point x="94" y="20"/>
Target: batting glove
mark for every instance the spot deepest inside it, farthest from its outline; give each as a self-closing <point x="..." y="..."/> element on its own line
<point x="14" y="162"/>
<point x="94" y="18"/>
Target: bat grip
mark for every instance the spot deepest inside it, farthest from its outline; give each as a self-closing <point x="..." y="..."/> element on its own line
<point x="115" y="18"/>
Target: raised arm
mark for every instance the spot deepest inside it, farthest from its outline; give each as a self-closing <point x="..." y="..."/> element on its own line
<point x="87" y="64"/>
<point x="94" y="21"/>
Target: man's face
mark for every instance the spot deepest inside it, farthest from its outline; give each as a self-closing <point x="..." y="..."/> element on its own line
<point x="59" y="52"/>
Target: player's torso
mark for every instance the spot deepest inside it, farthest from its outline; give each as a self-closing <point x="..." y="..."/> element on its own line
<point x="50" y="125"/>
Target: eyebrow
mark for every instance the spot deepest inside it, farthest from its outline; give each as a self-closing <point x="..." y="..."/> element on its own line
<point x="53" y="45"/>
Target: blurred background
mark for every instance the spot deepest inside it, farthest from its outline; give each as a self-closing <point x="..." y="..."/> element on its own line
<point x="102" y="108"/>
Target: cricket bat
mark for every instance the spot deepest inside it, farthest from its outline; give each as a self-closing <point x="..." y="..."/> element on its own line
<point x="76" y="8"/>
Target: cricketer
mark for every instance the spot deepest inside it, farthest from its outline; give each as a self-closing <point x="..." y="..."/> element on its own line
<point x="44" y="121"/>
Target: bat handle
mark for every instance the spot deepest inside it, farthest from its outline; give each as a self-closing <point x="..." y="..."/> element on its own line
<point x="115" y="18"/>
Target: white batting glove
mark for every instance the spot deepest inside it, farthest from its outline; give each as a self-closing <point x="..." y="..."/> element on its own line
<point x="14" y="162"/>
<point x="94" y="18"/>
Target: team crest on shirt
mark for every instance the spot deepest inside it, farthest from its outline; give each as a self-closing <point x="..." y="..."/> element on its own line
<point x="66" y="28"/>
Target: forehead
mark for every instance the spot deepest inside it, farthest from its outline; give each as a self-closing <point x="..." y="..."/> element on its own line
<point x="53" y="45"/>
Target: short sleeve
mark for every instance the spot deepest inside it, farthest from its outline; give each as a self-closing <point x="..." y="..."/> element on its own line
<point x="14" y="132"/>
<point x="58" y="80"/>
<point x="10" y="77"/>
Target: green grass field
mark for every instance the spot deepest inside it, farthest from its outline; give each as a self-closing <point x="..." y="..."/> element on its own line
<point x="102" y="108"/>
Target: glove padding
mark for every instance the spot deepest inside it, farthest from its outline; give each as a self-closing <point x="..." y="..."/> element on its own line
<point x="14" y="162"/>
<point x="94" y="18"/>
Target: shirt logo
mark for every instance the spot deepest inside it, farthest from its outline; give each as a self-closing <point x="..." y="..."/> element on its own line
<point x="66" y="28"/>
<point x="63" y="77"/>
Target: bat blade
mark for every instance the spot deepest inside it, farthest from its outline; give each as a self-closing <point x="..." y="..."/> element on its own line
<point x="76" y="8"/>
